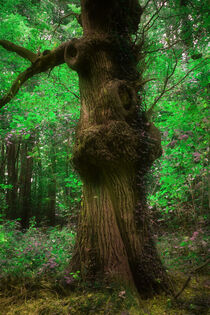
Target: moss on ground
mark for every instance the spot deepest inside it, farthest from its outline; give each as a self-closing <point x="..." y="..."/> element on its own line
<point x="30" y="297"/>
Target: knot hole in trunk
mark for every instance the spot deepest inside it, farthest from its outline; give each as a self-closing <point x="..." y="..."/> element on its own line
<point x="76" y="55"/>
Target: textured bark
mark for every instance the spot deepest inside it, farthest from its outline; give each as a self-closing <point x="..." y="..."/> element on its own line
<point x="3" y="159"/>
<point x="26" y="167"/>
<point x="113" y="151"/>
<point x="12" y="170"/>
<point x="51" y="205"/>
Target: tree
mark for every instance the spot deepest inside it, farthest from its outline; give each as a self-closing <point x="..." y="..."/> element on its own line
<point x="115" y="145"/>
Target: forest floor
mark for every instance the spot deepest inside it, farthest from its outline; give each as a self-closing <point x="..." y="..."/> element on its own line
<point x="41" y="293"/>
<point x="44" y="297"/>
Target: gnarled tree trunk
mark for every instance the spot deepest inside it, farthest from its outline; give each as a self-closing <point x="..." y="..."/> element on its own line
<point x="113" y="150"/>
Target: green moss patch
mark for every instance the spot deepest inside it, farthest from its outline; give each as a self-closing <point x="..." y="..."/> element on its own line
<point x="49" y="298"/>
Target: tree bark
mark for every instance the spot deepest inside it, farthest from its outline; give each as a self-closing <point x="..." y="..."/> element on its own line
<point x="12" y="151"/>
<point x="25" y="177"/>
<point x="51" y="205"/>
<point x="113" y="151"/>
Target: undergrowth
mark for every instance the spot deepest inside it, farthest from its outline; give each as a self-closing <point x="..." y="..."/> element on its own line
<point x="34" y="277"/>
<point x="35" y="252"/>
<point x="183" y="251"/>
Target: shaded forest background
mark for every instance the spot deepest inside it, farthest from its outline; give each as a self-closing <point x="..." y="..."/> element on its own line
<point x="38" y="185"/>
<point x="37" y="128"/>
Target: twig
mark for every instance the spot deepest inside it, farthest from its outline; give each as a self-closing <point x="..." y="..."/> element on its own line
<point x="77" y="16"/>
<point x="146" y="4"/>
<point x="149" y="112"/>
<point x="61" y="83"/>
<point x="141" y="83"/>
<point x="189" y="278"/>
<point x="164" y="48"/>
<point x="145" y="26"/>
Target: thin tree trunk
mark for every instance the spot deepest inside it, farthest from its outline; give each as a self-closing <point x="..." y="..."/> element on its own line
<point x="3" y="159"/>
<point x="25" y="183"/>
<point x="12" y="170"/>
<point x="51" y="205"/>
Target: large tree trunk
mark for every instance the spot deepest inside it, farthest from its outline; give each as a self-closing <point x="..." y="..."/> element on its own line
<point x="112" y="151"/>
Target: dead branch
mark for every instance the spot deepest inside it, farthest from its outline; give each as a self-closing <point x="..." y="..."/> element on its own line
<point x="77" y="16"/>
<point x="150" y="111"/>
<point x="165" y="90"/>
<point x="146" y="4"/>
<point x="189" y="278"/>
<point x="153" y="16"/>
<point x="63" y="84"/>
<point x="42" y="63"/>
<point x="161" y="49"/>
<point x="140" y="83"/>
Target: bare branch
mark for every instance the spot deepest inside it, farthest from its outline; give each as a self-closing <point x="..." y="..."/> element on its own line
<point x="153" y="16"/>
<point x="63" y="84"/>
<point x="41" y="64"/>
<point x="164" y="48"/>
<point x="165" y="90"/>
<point x="150" y="111"/>
<point x="147" y="26"/>
<point x="151" y="25"/>
<point x="77" y="16"/>
<point x="146" y="4"/>
<point x="141" y="83"/>
<point x="173" y="86"/>
<point x="21" y="51"/>
<point x="189" y="277"/>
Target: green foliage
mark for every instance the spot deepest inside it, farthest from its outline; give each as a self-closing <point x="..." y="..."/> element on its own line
<point x="35" y="251"/>
<point x="181" y="173"/>
<point x="183" y="252"/>
<point x="178" y="185"/>
<point x="47" y="114"/>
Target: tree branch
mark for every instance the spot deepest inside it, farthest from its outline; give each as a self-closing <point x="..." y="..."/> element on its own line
<point x="153" y="16"/>
<point x="173" y="86"/>
<point x="161" y="49"/>
<point x="77" y="16"/>
<point x="150" y="111"/>
<point x="41" y="64"/>
<point x="147" y="26"/>
<point x="140" y="83"/>
<point x="165" y="90"/>
<point x="63" y="84"/>
<point x="21" y="51"/>
<point x="189" y="277"/>
<point x="146" y="4"/>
